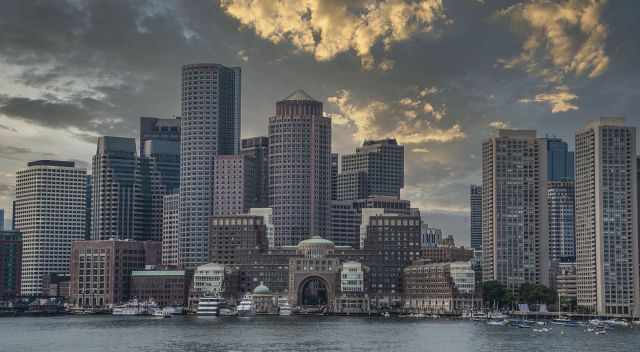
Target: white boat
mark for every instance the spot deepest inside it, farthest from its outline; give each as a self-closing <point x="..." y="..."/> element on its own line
<point x="542" y="330"/>
<point x="135" y="307"/>
<point x="246" y="308"/>
<point x="617" y="322"/>
<point x="479" y="316"/>
<point x="497" y="322"/>
<point x="227" y="311"/>
<point x="174" y="310"/>
<point x="161" y="313"/>
<point x="283" y="306"/>
<point x="497" y="315"/>
<point x="209" y="305"/>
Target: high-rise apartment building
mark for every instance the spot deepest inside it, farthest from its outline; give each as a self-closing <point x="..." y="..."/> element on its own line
<point x="607" y="217"/>
<point x="382" y="161"/>
<point x="153" y="128"/>
<point x="234" y="184"/>
<point x="258" y="149"/>
<point x="1" y="219"/>
<point x="50" y="214"/>
<point x="210" y="126"/>
<point x="10" y="263"/>
<point x="299" y="169"/>
<point x="118" y="196"/>
<point x="514" y="210"/>
<point x="227" y="233"/>
<point x="170" y="208"/>
<point x="475" y="205"/>
<point x="561" y="205"/>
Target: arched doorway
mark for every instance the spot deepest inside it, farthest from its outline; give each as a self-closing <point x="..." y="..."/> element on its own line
<point x="314" y="292"/>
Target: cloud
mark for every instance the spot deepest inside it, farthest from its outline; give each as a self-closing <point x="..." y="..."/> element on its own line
<point x="83" y="114"/>
<point x="499" y="125"/>
<point x="560" y="100"/>
<point x="242" y="54"/>
<point x="563" y="37"/>
<point x="326" y="28"/>
<point x="20" y="153"/>
<point x="420" y="150"/>
<point x="377" y="119"/>
<point x="6" y="190"/>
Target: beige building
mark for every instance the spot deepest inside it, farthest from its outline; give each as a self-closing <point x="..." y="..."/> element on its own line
<point x="607" y="217"/>
<point x="514" y="209"/>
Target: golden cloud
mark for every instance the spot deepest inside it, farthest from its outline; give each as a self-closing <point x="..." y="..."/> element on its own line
<point x="560" y="100"/>
<point x="371" y="121"/>
<point x="326" y="28"/>
<point x="564" y="37"/>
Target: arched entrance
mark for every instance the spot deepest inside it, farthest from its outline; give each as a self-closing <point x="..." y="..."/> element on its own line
<point x="314" y="291"/>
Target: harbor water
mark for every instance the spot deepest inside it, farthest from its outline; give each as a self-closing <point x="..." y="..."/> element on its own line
<point x="274" y="333"/>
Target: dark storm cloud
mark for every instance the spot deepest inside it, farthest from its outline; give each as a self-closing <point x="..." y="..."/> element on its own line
<point x="20" y="153"/>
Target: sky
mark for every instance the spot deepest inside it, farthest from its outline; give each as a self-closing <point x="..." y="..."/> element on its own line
<point x="438" y="75"/>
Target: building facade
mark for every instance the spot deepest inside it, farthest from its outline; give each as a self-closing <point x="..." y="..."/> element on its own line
<point x="154" y="128"/>
<point x="226" y="233"/>
<point x="10" y="263"/>
<point x="50" y="214"/>
<point x="101" y="270"/>
<point x="607" y="217"/>
<point x="117" y="209"/>
<point x="258" y="149"/>
<point x="299" y="169"/>
<point x="165" y="287"/>
<point x="382" y="162"/>
<point x="562" y="237"/>
<point x="170" y="209"/>
<point x="514" y="210"/>
<point x="234" y="184"/>
<point x="475" y="205"/>
<point x="210" y="126"/>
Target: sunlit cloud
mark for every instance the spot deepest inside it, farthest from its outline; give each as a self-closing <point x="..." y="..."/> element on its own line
<point x="499" y="125"/>
<point x="377" y="119"/>
<point x="563" y="37"/>
<point x="326" y="28"/>
<point x="560" y="100"/>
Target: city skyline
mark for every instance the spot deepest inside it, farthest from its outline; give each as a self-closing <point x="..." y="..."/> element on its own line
<point x="64" y="82"/>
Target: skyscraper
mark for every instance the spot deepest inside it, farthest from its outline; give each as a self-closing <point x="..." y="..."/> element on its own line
<point x="607" y="217"/>
<point x="475" y="202"/>
<point x="258" y="149"/>
<point x="514" y="211"/>
<point x="560" y="161"/>
<point x="299" y="169"/>
<point x="561" y="205"/>
<point x="153" y="128"/>
<point x="171" y="206"/>
<point x="50" y="214"/>
<point x="160" y="175"/>
<point x="10" y="263"/>
<point x="382" y="161"/>
<point x="210" y="125"/>
<point x="335" y="159"/>
<point x="117" y="202"/>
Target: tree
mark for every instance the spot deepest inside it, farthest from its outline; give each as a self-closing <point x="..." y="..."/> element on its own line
<point x="494" y="292"/>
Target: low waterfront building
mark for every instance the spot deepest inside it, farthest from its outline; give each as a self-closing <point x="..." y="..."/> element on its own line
<point x="10" y="263"/>
<point x="226" y="233"/>
<point x="565" y="282"/>
<point x="165" y="287"/>
<point x="56" y="285"/>
<point x="209" y="279"/>
<point x="353" y="296"/>
<point x="101" y="269"/>
<point x="265" y="301"/>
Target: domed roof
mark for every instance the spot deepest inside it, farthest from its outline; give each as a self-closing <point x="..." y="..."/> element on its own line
<point x="299" y="95"/>
<point x="261" y="290"/>
<point x="316" y="240"/>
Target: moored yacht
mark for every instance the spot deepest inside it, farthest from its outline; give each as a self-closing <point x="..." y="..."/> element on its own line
<point x="246" y="308"/>
<point x="210" y="305"/>
<point x="135" y="307"/>
<point x="283" y="306"/>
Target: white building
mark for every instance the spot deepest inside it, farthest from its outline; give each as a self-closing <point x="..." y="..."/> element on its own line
<point x="352" y="277"/>
<point x="50" y="212"/>
<point x="607" y="217"/>
<point x="208" y="279"/>
<point x="463" y="277"/>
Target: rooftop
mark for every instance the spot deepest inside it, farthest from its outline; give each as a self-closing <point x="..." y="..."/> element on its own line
<point x="158" y="273"/>
<point x="299" y="95"/>
<point x="52" y="163"/>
